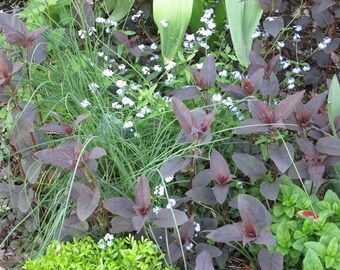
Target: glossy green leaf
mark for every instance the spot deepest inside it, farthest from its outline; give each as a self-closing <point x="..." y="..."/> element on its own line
<point x="312" y="261"/>
<point x="243" y="17"/>
<point x="172" y="18"/>
<point x="333" y="102"/>
<point x="121" y="9"/>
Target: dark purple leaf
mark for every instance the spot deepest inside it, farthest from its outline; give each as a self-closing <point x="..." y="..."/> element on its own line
<point x="219" y="168"/>
<point x="202" y="195"/>
<point x="138" y="222"/>
<point x="322" y="58"/>
<point x="79" y="119"/>
<point x="271" y="87"/>
<point x="187" y="231"/>
<point x="250" y="165"/>
<point x="30" y="225"/>
<point x="175" y="252"/>
<point x="253" y="210"/>
<point x="121" y="224"/>
<point x="25" y="199"/>
<point x="235" y="91"/>
<point x="54" y="127"/>
<point x="315" y="103"/>
<point x="251" y="126"/>
<point x="273" y="27"/>
<point x="120" y="206"/>
<point x="206" y="122"/>
<point x="282" y="155"/>
<point x="286" y="106"/>
<point x="268" y="5"/>
<point x="326" y="4"/>
<point x="96" y="152"/>
<point x="174" y="165"/>
<point x="32" y="169"/>
<point x="316" y="172"/>
<point x="87" y="203"/>
<point x="208" y="72"/>
<point x="37" y="52"/>
<point x="83" y="14"/>
<point x="329" y="146"/>
<point x="256" y="80"/>
<point x="249" y="232"/>
<point x="14" y="28"/>
<point x="301" y="167"/>
<point x="202" y="179"/>
<point x="143" y="199"/>
<point x="169" y="218"/>
<point x="212" y="250"/>
<point x="270" y="190"/>
<point x="59" y="157"/>
<point x="265" y="238"/>
<point x="121" y="37"/>
<point x="221" y="193"/>
<point x="324" y="18"/>
<point x="270" y="261"/>
<point x="184" y="116"/>
<point x="227" y="233"/>
<point x="307" y="148"/>
<point x="332" y="46"/>
<point x="256" y="62"/>
<point x="198" y="77"/>
<point x="204" y="261"/>
<point x="187" y="93"/>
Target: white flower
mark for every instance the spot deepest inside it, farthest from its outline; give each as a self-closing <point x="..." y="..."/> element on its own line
<point x="153" y="46"/>
<point x="127" y="101"/>
<point x="100" y="54"/>
<point x="137" y="15"/>
<point x="223" y="73"/>
<point x="297" y="28"/>
<point x="100" y="20"/>
<point x="156" y="209"/>
<point x="226" y="26"/>
<point x="108" y="237"/>
<point x="116" y="105"/>
<point x="327" y="40"/>
<point x="197" y="227"/>
<point x="128" y="124"/>
<point x="121" y="67"/>
<point x="217" y="97"/>
<point x="256" y="34"/>
<point x="190" y="37"/>
<point x="111" y="22"/>
<point x="170" y="65"/>
<point x="120" y="92"/>
<point x="296" y="70"/>
<point x="324" y="43"/>
<point x="135" y="86"/>
<point x="157" y="68"/>
<point x="156" y="95"/>
<point x="81" y="34"/>
<point x="296" y="37"/>
<point x="169" y="79"/>
<point x="121" y="83"/>
<point x="136" y="135"/>
<point x="159" y="190"/>
<point x="164" y="23"/>
<point x="290" y="86"/>
<point x="239" y="184"/>
<point x="169" y="179"/>
<point x="172" y="202"/>
<point x="228" y="102"/>
<point x="285" y="64"/>
<point x="106" y="57"/>
<point x="281" y="44"/>
<point x="145" y="70"/>
<point x="101" y="244"/>
<point x="236" y="74"/>
<point x="204" y="45"/>
<point x="107" y="72"/>
<point x="141" y="47"/>
<point x="270" y="19"/>
<point x="204" y="32"/>
<point x="306" y="68"/>
<point x="91" y="31"/>
<point x="140" y="115"/>
<point x="189" y="246"/>
<point x="93" y="87"/>
<point x="109" y="243"/>
<point x="211" y="24"/>
<point x="239" y="116"/>
<point x="85" y="103"/>
<point x="291" y="80"/>
<point x="199" y="65"/>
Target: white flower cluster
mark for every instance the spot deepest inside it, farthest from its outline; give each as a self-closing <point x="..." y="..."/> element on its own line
<point x="106" y="242"/>
<point x="137" y="16"/>
<point x="290" y="83"/>
<point x="323" y="44"/>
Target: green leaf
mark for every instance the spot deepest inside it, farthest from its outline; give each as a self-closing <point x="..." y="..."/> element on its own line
<point x="283" y="235"/>
<point x="329" y="261"/>
<point x="312" y="261"/>
<point x="290" y="211"/>
<point x="317" y="247"/>
<point x="333" y="102"/>
<point x="299" y="244"/>
<point x="122" y="9"/>
<point x="333" y="246"/>
<point x="243" y="17"/>
<point x="177" y="14"/>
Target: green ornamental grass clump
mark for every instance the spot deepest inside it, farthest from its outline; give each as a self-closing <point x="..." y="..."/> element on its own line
<point x="85" y="253"/>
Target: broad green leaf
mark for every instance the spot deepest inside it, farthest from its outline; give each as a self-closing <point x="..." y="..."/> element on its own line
<point x="172" y="18"/>
<point x="122" y="8"/>
<point x="329" y="261"/>
<point x="317" y="247"/>
<point x="283" y="235"/>
<point x="333" y="102"/>
<point x="243" y="17"/>
<point x="333" y="246"/>
<point x="311" y="261"/>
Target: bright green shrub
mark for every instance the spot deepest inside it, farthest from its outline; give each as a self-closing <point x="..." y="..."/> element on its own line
<point x="121" y="253"/>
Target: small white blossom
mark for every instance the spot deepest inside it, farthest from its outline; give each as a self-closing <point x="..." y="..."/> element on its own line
<point x="92" y="30"/>
<point x="172" y="203"/>
<point x="190" y="37"/>
<point x="100" y="54"/>
<point x="290" y="86"/>
<point x="270" y="19"/>
<point x="324" y="43"/>
<point x="169" y="79"/>
<point x="236" y="74"/>
<point x="101" y="244"/>
<point x="81" y="34"/>
<point x="145" y="70"/>
<point x="189" y="246"/>
<point x="154" y="58"/>
<point x="135" y="86"/>
<point x="199" y="65"/>
<point x="223" y="73"/>
<point x="121" y="83"/>
<point x="111" y="22"/>
<point x="156" y="95"/>
<point x="256" y="34"/>
<point x="127" y="101"/>
<point x="226" y="26"/>
<point x="141" y="47"/>
<point x="211" y="24"/>
<point x="197" y="227"/>
<point x="136" y="135"/>
<point x="296" y="70"/>
<point x="291" y="80"/>
<point x="128" y="124"/>
<point x="159" y="190"/>
<point x="296" y="37"/>
<point x="120" y="92"/>
<point x="157" y="68"/>
<point x="228" y="102"/>
<point x="306" y="68"/>
<point x="204" y="45"/>
<point x="121" y="67"/>
<point x="156" y="209"/>
<point x="239" y="184"/>
<point x="85" y="103"/>
<point x="170" y="65"/>
<point x="100" y="20"/>
<point x="137" y="15"/>
<point x="164" y="23"/>
<point x="281" y="44"/>
<point x="116" y="105"/>
<point x="109" y="243"/>
<point x="297" y="28"/>
<point x="107" y="72"/>
<point x="204" y="32"/>
<point x="216" y="97"/>
<point x="153" y="46"/>
<point x="108" y="237"/>
<point x="93" y="87"/>
<point x="169" y="179"/>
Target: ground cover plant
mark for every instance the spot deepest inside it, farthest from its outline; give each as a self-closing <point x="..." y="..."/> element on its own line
<point x="212" y="133"/>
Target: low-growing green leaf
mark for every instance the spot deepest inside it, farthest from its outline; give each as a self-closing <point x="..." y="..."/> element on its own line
<point x="311" y="261"/>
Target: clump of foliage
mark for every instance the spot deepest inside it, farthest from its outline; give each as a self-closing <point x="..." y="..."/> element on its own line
<point x="118" y="253"/>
